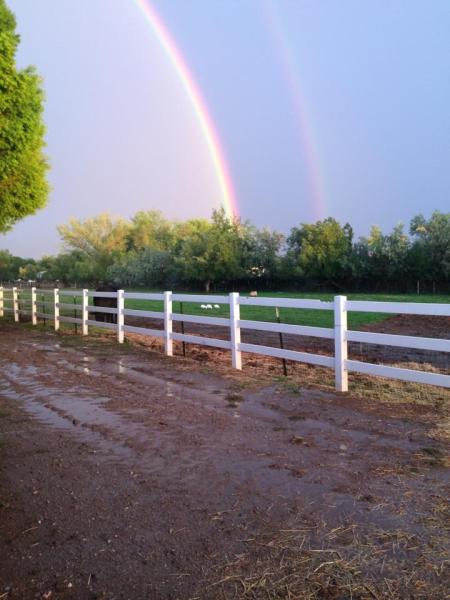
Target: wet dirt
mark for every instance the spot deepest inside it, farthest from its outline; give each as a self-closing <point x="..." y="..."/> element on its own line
<point x="125" y="474"/>
<point x="409" y="325"/>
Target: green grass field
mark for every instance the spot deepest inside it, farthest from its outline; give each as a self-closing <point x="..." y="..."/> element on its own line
<point x="316" y="318"/>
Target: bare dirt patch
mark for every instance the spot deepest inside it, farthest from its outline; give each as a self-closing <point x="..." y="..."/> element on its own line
<point x="409" y="325"/>
<point x="397" y="394"/>
<point x="124" y="474"/>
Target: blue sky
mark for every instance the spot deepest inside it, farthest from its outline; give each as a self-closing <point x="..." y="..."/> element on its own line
<point x="323" y="109"/>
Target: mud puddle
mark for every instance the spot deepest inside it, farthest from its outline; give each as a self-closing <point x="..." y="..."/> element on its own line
<point x="171" y="477"/>
<point x="267" y="440"/>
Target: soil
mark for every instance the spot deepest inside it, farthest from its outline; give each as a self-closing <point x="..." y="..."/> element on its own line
<point x="128" y="475"/>
<point x="412" y="325"/>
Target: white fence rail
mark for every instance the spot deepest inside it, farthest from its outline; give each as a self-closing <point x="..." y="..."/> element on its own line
<point x="28" y="302"/>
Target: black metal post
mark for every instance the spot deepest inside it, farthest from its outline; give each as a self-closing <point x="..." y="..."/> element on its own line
<point x="75" y="314"/>
<point x="43" y="308"/>
<point x="182" y="330"/>
<point x="277" y="312"/>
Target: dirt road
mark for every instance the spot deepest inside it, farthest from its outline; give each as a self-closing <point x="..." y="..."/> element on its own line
<point x="127" y="475"/>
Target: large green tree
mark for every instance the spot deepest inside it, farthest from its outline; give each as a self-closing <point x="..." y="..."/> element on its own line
<point x="98" y="242"/>
<point x="13" y="267"/>
<point x="382" y="260"/>
<point x="320" y="252"/>
<point x="210" y="252"/>
<point x="23" y="167"/>
<point x="150" y="229"/>
<point x="431" y="248"/>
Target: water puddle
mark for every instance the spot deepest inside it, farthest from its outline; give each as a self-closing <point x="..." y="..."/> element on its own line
<point x="180" y="428"/>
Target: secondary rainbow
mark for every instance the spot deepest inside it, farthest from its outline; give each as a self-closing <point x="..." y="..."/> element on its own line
<point x="303" y="121"/>
<point x="198" y="104"/>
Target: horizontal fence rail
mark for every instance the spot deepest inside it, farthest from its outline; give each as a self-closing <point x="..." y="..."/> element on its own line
<point x="285" y="303"/>
<point x="321" y="332"/>
<point x="152" y="314"/>
<point x="83" y="304"/>
<point x="404" y="308"/>
<point x="400" y="341"/>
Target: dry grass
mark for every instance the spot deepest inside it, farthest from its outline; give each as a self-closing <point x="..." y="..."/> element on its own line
<point x="346" y="564"/>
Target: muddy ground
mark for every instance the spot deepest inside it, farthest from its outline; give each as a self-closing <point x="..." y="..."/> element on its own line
<point x="412" y="325"/>
<point x="128" y="475"/>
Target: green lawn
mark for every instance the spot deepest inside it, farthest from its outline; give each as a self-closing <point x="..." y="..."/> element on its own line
<point x="317" y="318"/>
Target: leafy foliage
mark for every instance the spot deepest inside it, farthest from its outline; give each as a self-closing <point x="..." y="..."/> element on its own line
<point x="99" y="241"/>
<point x="321" y="251"/>
<point x="151" y="251"/>
<point x="211" y="252"/>
<point x="23" y="185"/>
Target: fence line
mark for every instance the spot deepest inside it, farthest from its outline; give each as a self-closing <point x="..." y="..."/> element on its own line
<point x="11" y="298"/>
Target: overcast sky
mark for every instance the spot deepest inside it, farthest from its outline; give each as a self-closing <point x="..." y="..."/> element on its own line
<point x="323" y="108"/>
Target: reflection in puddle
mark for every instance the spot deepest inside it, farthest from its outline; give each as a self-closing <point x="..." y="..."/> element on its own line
<point x="179" y="430"/>
<point x="77" y="413"/>
<point x="121" y="367"/>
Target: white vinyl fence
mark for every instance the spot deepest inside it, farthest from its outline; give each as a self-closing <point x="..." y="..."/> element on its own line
<point x="47" y="304"/>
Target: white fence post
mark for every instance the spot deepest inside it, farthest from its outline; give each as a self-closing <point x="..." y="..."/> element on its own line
<point x="235" y="331"/>
<point x="340" y="343"/>
<point x="33" y="306"/>
<point x="15" y="304"/>
<point x="84" y="312"/>
<point x="56" y="308"/>
<point x="120" y="316"/>
<point x="168" y="324"/>
<point x="1" y="302"/>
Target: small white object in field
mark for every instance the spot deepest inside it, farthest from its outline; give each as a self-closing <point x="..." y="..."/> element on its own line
<point x="203" y="306"/>
<point x="209" y="306"/>
<point x="253" y="294"/>
<point x="216" y="305"/>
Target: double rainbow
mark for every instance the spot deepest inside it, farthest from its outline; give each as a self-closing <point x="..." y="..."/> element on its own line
<point x="198" y="104"/>
<point x="302" y="114"/>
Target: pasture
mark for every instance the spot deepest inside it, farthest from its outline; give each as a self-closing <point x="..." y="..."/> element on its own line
<point x="410" y="346"/>
<point x="293" y="316"/>
<point x="313" y="318"/>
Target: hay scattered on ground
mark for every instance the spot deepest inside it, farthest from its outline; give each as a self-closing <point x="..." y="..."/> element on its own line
<point x="346" y="564"/>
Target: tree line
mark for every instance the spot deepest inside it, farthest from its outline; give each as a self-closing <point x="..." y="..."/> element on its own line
<point x="221" y="253"/>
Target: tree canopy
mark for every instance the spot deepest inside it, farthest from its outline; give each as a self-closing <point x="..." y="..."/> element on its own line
<point x="98" y="242"/>
<point x="23" y="166"/>
<point x="221" y="253"/>
<point x="321" y="250"/>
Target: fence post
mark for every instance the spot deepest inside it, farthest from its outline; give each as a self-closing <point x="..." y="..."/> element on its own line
<point x="340" y="343"/>
<point x="1" y="302"/>
<point x="235" y="331"/>
<point x="56" y="308"/>
<point x="84" y="312"/>
<point x="168" y="324"/>
<point x="33" y="306"/>
<point x="120" y="316"/>
<point x="15" y="304"/>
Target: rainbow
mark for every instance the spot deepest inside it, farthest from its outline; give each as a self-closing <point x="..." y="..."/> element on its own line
<point x="290" y="69"/>
<point x="198" y="104"/>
